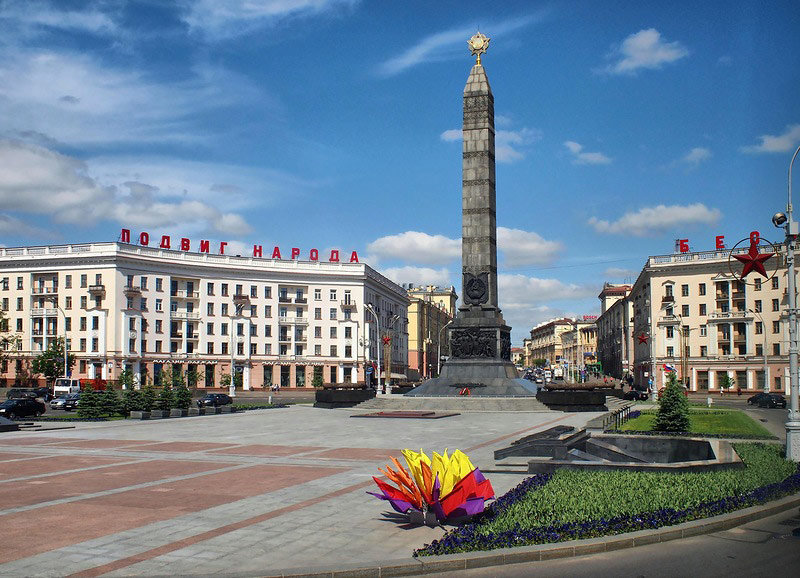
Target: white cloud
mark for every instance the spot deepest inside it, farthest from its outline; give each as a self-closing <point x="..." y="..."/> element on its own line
<point x="619" y="273"/>
<point x="414" y="246"/>
<point x="776" y="144"/>
<point x="696" y="156"/>
<point x="526" y="248"/>
<point x="34" y="15"/>
<point x="655" y="220"/>
<point x="583" y="158"/>
<point x="75" y="99"/>
<point x="419" y="275"/>
<point x="449" y="44"/>
<point x="12" y="226"/>
<point x="524" y="291"/>
<point x="36" y="180"/>
<point x="644" y="49"/>
<point x="218" y="20"/>
<point x="508" y="143"/>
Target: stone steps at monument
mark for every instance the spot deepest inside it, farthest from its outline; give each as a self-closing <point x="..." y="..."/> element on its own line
<point x="400" y="403"/>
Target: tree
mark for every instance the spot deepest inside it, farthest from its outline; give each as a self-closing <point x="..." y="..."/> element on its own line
<point x="133" y="400"/>
<point x="50" y="363"/>
<point x="8" y="341"/>
<point x="126" y="379"/>
<point x="90" y="404"/>
<point x="165" y="398"/>
<point x="148" y="397"/>
<point x="673" y="408"/>
<point x="725" y="381"/>
<point x="539" y="362"/>
<point x="183" y="398"/>
<point x="109" y="402"/>
<point x="316" y="381"/>
<point x="225" y="380"/>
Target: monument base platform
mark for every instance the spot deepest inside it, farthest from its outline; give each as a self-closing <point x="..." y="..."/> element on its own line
<point x="463" y="404"/>
<point x="478" y="387"/>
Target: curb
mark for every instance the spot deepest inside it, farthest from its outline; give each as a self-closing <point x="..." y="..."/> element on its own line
<point x="538" y="552"/>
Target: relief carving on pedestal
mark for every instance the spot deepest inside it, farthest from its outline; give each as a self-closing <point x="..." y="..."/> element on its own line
<point x="476" y="288"/>
<point x="473" y="342"/>
<point x="505" y="346"/>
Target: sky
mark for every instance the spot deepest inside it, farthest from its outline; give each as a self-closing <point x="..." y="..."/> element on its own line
<point x="336" y="124"/>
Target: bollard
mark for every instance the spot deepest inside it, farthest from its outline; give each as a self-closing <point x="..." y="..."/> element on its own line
<point x="709" y="401"/>
<point x="270" y="400"/>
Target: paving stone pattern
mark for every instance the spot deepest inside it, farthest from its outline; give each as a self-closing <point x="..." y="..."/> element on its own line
<point x="248" y="493"/>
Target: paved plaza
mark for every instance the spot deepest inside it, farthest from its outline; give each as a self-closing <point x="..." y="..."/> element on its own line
<point x="249" y="493"/>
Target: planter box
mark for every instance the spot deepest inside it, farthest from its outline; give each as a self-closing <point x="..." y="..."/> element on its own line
<point x="210" y="410"/>
<point x="225" y="409"/>
<point x="573" y="400"/>
<point x="332" y="398"/>
<point x="140" y="415"/>
<point x="178" y="412"/>
<point x="159" y="413"/>
<point x="197" y="411"/>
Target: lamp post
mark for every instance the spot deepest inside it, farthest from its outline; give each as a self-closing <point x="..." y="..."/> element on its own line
<point x="791" y="228"/>
<point x="388" y="381"/>
<point x="238" y="304"/>
<point x="439" y="350"/>
<point x="764" y="331"/>
<point x="369" y="308"/>
<point x="66" y="367"/>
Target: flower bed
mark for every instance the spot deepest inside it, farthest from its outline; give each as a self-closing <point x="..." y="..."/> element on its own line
<point x="572" y="505"/>
<point x="709" y="423"/>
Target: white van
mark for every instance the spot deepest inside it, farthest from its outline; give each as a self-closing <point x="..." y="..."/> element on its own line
<point x="65" y="385"/>
<point x="548" y="376"/>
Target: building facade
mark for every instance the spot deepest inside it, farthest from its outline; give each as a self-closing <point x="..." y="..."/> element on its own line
<point x="546" y="343"/>
<point x="691" y="314"/>
<point x="122" y="306"/>
<point x="615" y="330"/>
<point x="430" y="310"/>
<point x="579" y="345"/>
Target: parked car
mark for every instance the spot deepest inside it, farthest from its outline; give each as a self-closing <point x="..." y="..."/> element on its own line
<point x="21" y="407"/>
<point x="214" y="400"/>
<point x="58" y="402"/>
<point x="29" y="392"/>
<point x="763" y="399"/>
<point x="635" y="395"/>
<point x="71" y="401"/>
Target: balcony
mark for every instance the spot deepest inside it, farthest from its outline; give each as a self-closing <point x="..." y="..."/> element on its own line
<point x="668" y="320"/>
<point x="284" y="299"/>
<point x="184" y="294"/>
<point x="43" y="312"/>
<point x="300" y="300"/>
<point x="723" y="296"/>
<point x="184" y="315"/>
<point x="97" y="290"/>
<point x="43" y="290"/>
<point x="284" y="339"/>
<point x="192" y="336"/>
<point x="729" y="316"/>
<point x="668" y="299"/>
<point x="347" y="303"/>
<point x="132" y="290"/>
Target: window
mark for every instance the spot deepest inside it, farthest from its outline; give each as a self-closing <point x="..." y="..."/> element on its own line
<point x="67" y="281"/>
<point x="776" y="326"/>
<point x="267" y="292"/>
<point x="348" y="332"/>
<point x="173" y="347"/>
<point x="670" y="332"/>
<point x="132" y="323"/>
<point x="254" y="349"/>
<point x="298" y="350"/>
<point x="333" y="351"/>
<point x="670" y="352"/>
<point x="703" y="351"/>
<point x="759" y="349"/>
<point x="702" y="309"/>
<point x="143" y="304"/>
<point x="159" y="284"/>
<point x="318" y="332"/>
<point x="159" y="326"/>
<point x="82" y="346"/>
<point x="224" y="348"/>
<point x="333" y="332"/>
<point x="684" y="310"/>
<point x="94" y="343"/>
<point x="159" y="304"/>
<point x="132" y="345"/>
<point x="240" y="329"/>
<point x="668" y="290"/>
<point x="5" y="304"/>
<point x="209" y="289"/>
<point x="253" y="311"/>
<point x="95" y="323"/>
<point x="347" y="314"/>
<point x="83" y="324"/>
<point x="210" y="309"/>
<point x="267" y="349"/>
<point x="209" y="329"/>
<point x="240" y="349"/>
<point x="224" y="290"/>
<point x="283" y="312"/>
<point x="299" y="294"/>
<point x="238" y="289"/>
<point x="776" y="349"/>
<point x="684" y="290"/>
<point x="98" y="279"/>
<point x="333" y="294"/>
<point x="223" y="309"/>
<point x="5" y="283"/>
<point x="668" y="312"/>
<point x="253" y="291"/>
<point x="317" y="313"/>
<point x="759" y="328"/>
<point x="701" y="289"/>
<point x="348" y="351"/>
<point x="775" y="283"/>
<point x="223" y="328"/>
<point x="317" y="350"/>
<point x="317" y="294"/>
<point x="775" y="305"/>
<point x="143" y="284"/>
<point x="129" y="281"/>
<point x="758" y="306"/>
<point x="333" y="312"/>
<point x="68" y="324"/>
<point x="19" y="328"/>
<point x="267" y="311"/>
<point x="19" y="303"/>
<point x="703" y="330"/>
<point x="268" y="331"/>
<point x="757" y="284"/>
<point x="84" y="282"/>
<point x="129" y="303"/>
<point x="210" y="348"/>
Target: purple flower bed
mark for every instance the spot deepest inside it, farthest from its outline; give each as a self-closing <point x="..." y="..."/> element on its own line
<point x="467" y="538"/>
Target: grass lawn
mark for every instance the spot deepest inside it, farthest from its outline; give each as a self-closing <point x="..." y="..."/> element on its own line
<point x="713" y="422"/>
<point x="574" y="504"/>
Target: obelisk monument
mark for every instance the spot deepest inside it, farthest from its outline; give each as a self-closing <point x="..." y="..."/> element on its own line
<point x="480" y="340"/>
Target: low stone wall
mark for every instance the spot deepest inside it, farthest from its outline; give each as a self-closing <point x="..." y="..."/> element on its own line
<point x="333" y="398"/>
<point x="577" y="400"/>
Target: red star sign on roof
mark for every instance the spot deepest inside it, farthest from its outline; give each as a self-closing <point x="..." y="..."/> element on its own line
<point x="387" y="340"/>
<point x="753" y="261"/>
<point x="643" y="338"/>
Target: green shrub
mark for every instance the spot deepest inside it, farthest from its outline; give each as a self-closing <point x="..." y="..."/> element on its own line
<point x="165" y="398"/>
<point x="182" y="398"/>
<point x="673" y="408"/>
<point x="148" y="397"/>
<point x="109" y="402"/>
<point x="133" y="400"/>
<point x="90" y="405"/>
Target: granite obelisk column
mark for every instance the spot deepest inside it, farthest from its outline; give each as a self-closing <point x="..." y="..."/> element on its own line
<point x="480" y="341"/>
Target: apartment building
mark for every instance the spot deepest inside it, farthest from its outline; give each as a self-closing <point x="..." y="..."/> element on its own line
<point x="691" y="313"/>
<point x="545" y="342"/>
<point x="123" y="306"/>
<point x="430" y="309"/>
<point x="615" y="330"/>
<point x="579" y="344"/>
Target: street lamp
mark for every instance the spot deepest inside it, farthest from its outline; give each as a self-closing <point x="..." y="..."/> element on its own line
<point x="238" y="304"/>
<point x="369" y="308"/>
<point x="439" y="351"/>
<point x="392" y="322"/>
<point x="764" y="331"/>
<point x="791" y="228"/>
<point x="66" y="367"/>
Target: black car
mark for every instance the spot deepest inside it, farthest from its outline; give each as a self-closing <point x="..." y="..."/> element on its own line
<point x="214" y="400"/>
<point x="635" y="395"/>
<point x="767" y="400"/>
<point x="29" y="392"/>
<point x="71" y="401"/>
<point x="22" y="407"/>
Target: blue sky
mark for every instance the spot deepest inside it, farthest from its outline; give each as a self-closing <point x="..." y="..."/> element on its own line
<point x="622" y="126"/>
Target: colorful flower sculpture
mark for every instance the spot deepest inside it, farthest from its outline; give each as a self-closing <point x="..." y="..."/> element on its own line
<point x="449" y="487"/>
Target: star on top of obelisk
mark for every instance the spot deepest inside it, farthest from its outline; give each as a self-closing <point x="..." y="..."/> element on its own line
<point x="478" y="45"/>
